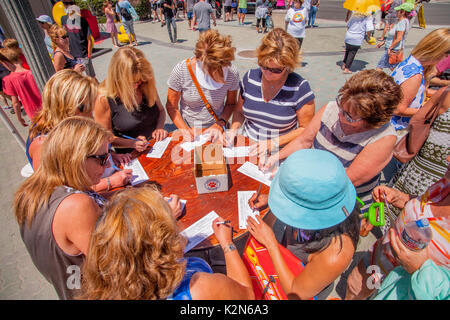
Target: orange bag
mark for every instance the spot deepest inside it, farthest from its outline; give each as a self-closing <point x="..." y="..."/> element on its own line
<point x="262" y="272"/>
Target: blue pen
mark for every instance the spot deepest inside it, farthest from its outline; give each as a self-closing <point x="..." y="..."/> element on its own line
<point x="131" y="138"/>
<point x="116" y="168"/>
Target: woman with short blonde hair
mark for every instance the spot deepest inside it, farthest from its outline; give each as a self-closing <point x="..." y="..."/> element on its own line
<point x="138" y="232"/>
<point x="413" y="75"/>
<point x="275" y="103"/>
<point x="62" y="58"/>
<point x="68" y="93"/>
<point x="55" y="208"/>
<point x="129" y="104"/>
<point x="217" y="78"/>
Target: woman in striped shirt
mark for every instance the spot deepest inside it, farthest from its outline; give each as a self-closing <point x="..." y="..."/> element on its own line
<point x="275" y="104"/>
<point x="356" y="128"/>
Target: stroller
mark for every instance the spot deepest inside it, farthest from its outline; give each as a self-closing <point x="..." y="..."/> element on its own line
<point x="269" y="21"/>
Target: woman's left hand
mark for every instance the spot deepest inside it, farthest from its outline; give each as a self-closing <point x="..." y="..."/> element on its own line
<point x="410" y="260"/>
<point x="215" y="132"/>
<point x="121" y="159"/>
<point x="261" y="231"/>
<point x="159" y="134"/>
<point x="260" y="149"/>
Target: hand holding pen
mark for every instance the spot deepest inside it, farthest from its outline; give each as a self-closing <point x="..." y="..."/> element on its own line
<point x="223" y="231"/>
<point x="140" y="143"/>
<point x="258" y="201"/>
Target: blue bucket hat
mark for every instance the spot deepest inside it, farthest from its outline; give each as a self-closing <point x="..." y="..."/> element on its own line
<point x="310" y="190"/>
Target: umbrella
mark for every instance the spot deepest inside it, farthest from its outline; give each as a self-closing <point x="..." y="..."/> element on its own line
<point x="362" y="6"/>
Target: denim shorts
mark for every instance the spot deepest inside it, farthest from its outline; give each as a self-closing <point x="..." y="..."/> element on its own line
<point x="190" y="15"/>
<point x="242" y="10"/>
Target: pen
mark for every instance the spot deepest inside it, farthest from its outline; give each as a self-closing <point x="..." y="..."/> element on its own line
<point x="223" y="222"/>
<point x="259" y="191"/>
<point x="387" y="207"/>
<point x="131" y="138"/>
<point x="116" y="168"/>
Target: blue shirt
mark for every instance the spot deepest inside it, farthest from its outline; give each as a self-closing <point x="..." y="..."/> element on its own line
<point x="265" y="120"/>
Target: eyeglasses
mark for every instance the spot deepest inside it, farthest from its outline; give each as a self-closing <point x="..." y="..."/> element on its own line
<point x="347" y="116"/>
<point x="64" y="36"/>
<point x="103" y="158"/>
<point x="272" y="70"/>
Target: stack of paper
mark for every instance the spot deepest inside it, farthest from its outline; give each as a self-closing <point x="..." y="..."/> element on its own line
<point x="158" y="148"/>
<point x="244" y="209"/>
<point x="138" y="173"/>
<point x="252" y="170"/>
<point x="199" y="231"/>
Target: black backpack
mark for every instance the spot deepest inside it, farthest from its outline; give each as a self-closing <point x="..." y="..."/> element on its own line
<point x="125" y="14"/>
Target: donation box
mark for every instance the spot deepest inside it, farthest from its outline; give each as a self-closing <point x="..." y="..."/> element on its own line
<point x="211" y="171"/>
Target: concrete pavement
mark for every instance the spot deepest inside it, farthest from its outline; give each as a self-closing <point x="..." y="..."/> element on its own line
<point x="323" y="49"/>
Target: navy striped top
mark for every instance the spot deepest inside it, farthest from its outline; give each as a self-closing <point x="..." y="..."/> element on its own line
<point x="346" y="148"/>
<point x="266" y="120"/>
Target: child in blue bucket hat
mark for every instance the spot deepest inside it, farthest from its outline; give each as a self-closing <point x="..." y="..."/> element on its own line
<point x="312" y="196"/>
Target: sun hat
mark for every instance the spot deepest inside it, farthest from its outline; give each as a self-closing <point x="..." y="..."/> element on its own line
<point x="311" y="190"/>
<point x="407" y="6"/>
<point x="44" y="18"/>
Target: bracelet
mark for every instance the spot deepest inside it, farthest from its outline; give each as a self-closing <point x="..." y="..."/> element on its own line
<point x="109" y="184"/>
<point x="229" y="248"/>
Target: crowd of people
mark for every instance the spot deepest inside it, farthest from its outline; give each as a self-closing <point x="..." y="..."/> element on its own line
<point x="71" y="218"/>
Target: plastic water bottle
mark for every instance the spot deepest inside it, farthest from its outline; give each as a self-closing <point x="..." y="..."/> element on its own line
<point x="416" y="235"/>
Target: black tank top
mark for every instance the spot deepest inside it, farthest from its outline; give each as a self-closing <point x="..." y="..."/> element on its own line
<point x="70" y="63"/>
<point x="140" y="122"/>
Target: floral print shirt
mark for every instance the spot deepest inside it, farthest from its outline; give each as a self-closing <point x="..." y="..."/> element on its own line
<point x="405" y="70"/>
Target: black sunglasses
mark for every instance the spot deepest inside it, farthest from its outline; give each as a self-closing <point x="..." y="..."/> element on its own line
<point x="64" y="36"/>
<point x="103" y="158"/>
<point x="272" y="70"/>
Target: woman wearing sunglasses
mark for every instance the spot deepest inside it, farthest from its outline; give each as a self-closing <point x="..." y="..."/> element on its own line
<point x="62" y="59"/>
<point x="275" y="104"/>
<point x="68" y="93"/>
<point x="56" y="208"/>
<point x="356" y="128"/>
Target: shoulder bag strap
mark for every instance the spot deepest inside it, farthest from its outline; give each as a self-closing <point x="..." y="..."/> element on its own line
<point x="200" y="91"/>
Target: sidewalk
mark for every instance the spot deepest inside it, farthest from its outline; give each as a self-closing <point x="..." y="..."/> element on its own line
<point x="323" y="49"/>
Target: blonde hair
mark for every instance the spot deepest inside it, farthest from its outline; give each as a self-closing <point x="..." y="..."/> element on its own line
<point x="279" y="47"/>
<point x="432" y="47"/>
<point x="214" y="51"/>
<point x="128" y="66"/>
<point x="54" y="33"/>
<point x="11" y="43"/>
<point x="135" y="250"/>
<point x="63" y="157"/>
<point x="63" y="96"/>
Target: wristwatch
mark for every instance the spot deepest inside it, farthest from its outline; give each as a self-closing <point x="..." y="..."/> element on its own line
<point x="229" y="248"/>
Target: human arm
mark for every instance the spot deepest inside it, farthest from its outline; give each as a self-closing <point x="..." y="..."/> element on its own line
<point x="58" y="61"/>
<point x="322" y="269"/>
<point x="303" y="141"/>
<point x="230" y="105"/>
<point x="17" y="106"/>
<point x="102" y="115"/>
<point x="409" y="90"/>
<point x="173" y="98"/>
<point x="159" y="133"/>
<point x="393" y="196"/>
<point x="213" y="16"/>
<point x="74" y="222"/>
<point x="371" y="160"/>
<point x="304" y="117"/>
<point x="236" y="285"/>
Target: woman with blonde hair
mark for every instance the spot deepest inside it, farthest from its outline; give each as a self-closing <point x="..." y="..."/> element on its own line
<point x="139" y="232"/>
<point x="217" y="79"/>
<point x="413" y="75"/>
<point x="275" y="103"/>
<point x="62" y="58"/>
<point x="56" y="209"/>
<point x="128" y="104"/>
<point x="68" y="93"/>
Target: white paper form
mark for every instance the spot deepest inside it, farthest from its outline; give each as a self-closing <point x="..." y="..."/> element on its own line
<point x="158" y="148"/>
<point x="252" y="170"/>
<point x="198" y="141"/>
<point x="182" y="202"/>
<point x="138" y="173"/>
<point x="199" y="231"/>
<point x="244" y="209"/>
<point x="236" y="152"/>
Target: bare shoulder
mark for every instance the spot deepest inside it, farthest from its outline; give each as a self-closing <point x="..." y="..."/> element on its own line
<point x="216" y="286"/>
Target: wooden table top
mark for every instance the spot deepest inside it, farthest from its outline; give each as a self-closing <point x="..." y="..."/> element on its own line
<point x="174" y="173"/>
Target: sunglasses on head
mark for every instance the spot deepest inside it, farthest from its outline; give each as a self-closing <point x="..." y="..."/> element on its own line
<point x="103" y="158"/>
<point x="272" y="70"/>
